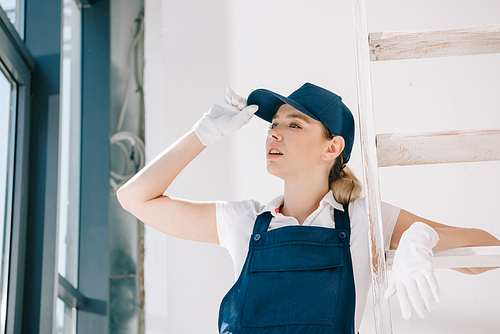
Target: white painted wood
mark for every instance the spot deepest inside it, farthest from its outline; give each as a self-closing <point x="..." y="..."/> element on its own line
<point x="466" y="257"/>
<point x="438" y="147"/>
<point x="434" y="43"/>
<point x="382" y="311"/>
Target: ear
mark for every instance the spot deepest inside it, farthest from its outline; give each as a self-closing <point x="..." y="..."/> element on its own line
<point x="334" y="147"/>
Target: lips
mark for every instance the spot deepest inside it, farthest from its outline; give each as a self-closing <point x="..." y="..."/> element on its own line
<point x="273" y="151"/>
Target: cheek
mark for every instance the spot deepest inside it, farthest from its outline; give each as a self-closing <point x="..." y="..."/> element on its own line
<point x="311" y="147"/>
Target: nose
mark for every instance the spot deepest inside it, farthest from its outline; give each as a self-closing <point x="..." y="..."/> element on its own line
<point x="274" y="134"/>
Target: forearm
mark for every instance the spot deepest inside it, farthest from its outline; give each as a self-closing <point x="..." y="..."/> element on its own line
<point x="449" y="236"/>
<point x="466" y="237"/>
<point x="155" y="178"/>
<point x="454" y="237"/>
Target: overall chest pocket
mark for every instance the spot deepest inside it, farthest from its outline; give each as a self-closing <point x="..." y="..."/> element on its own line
<point x="295" y="283"/>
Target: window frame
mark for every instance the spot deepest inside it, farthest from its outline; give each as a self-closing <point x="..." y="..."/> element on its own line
<point x="42" y="283"/>
<point x="93" y="273"/>
<point x="19" y="64"/>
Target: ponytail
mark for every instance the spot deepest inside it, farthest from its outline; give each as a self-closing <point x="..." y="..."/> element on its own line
<point x="343" y="182"/>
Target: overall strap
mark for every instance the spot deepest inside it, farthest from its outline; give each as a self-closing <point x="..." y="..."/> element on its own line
<point x="262" y="222"/>
<point x="342" y="219"/>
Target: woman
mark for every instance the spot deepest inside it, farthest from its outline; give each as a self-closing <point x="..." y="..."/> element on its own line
<point x="302" y="261"/>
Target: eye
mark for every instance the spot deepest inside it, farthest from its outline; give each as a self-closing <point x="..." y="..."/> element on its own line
<point x="272" y="126"/>
<point x="294" y="126"/>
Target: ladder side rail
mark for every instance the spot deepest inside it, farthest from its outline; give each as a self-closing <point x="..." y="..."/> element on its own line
<point x="381" y="305"/>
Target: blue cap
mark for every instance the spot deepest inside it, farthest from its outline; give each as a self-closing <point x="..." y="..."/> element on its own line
<point x="314" y="101"/>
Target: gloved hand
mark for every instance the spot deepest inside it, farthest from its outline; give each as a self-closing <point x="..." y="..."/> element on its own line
<point x="413" y="275"/>
<point x="224" y="118"/>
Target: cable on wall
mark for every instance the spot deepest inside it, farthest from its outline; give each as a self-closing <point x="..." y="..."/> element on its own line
<point x="130" y="144"/>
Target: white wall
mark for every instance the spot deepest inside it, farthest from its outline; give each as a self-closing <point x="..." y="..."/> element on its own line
<point x="194" y="48"/>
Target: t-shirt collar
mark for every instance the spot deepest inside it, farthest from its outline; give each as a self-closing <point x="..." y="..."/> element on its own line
<point x="274" y="205"/>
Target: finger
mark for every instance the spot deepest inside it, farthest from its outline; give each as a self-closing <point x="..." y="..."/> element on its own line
<point x="229" y="96"/>
<point x="229" y="99"/>
<point x="245" y="115"/>
<point x="404" y="301"/>
<point x="242" y="104"/>
<point x="251" y="109"/>
<point x="426" y="293"/>
<point x="229" y="91"/>
<point x="416" y="298"/>
<point x="434" y="286"/>
<point x="236" y="101"/>
<point x="239" y="102"/>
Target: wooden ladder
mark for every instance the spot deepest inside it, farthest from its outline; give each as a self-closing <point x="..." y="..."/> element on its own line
<point x="379" y="150"/>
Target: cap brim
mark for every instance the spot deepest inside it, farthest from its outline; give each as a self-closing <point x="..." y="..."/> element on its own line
<point x="269" y="103"/>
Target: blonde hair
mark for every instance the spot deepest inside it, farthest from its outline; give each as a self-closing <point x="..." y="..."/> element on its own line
<point x="343" y="182"/>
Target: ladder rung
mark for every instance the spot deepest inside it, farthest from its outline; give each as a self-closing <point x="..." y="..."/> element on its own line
<point x="465" y="257"/>
<point x="438" y="147"/>
<point x="434" y="43"/>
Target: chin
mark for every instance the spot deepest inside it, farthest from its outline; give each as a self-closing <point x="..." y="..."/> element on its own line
<point x="271" y="169"/>
<point x="275" y="170"/>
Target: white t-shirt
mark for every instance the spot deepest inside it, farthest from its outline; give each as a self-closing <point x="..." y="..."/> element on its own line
<point x="235" y="221"/>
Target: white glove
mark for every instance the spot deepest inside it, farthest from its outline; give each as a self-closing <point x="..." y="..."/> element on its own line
<point x="413" y="275"/>
<point x="224" y="118"/>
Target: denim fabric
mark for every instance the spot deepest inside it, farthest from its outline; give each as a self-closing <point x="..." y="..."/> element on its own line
<point x="296" y="279"/>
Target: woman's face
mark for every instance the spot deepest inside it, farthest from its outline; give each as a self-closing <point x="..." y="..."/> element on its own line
<point x="296" y="144"/>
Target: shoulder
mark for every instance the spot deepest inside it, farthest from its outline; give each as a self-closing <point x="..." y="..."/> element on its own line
<point x="389" y="212"/>
<point x="357" y="210"/>
<point x="235" y="217"/>
<point x="357" y="206"/>
<point x="238" y="208"/>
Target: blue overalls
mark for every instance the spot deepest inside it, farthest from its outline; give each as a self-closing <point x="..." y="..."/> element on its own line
<point x="296" y="279"/>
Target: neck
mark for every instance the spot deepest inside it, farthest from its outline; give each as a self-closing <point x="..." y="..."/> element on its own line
<point x="302" y="197"/>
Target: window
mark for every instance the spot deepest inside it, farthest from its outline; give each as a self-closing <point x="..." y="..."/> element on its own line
<point x="15" y="12"/>
<point x="7" y="119"/>
<point x="69" y="160"/>
<point x="65" y="318"/>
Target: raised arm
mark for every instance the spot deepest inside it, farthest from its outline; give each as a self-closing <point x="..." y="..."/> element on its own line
<point x="143" y="195"/>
